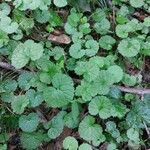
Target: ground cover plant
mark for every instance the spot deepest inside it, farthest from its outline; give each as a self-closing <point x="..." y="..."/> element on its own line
<point x="74" y="74"/>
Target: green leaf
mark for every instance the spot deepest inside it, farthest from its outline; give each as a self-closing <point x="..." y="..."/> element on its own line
<point x="19" y="104"/>
<point x="31" y="141"/>
<point x="100" y="105"/>
<point x="122" y="31"/>
<point x="112" y="146"/>
<point x="76" y="51"/>
<point x="44" y="4"/>
<point x="33" y="50"/>
<point x="137" y="3"/>
<point x="19" y="59"/>
<point x="112" y="130"/>
<point x="4" y="9"/>
<point x="85" y="146"/>
<point x="70" y="29"/>
<point x="71" y="119"/>
<point x="57" y="52"/>
<point x="35" y="98"/>
<point x="147" y="21"/>
<point x="26" y="24"/>
<point x="60" y="3"/>
<point x="29" y="123"/>
<point x="116" y="73"/>
<point x="119" y="110"/>
<point x="7" y="97"/>
<point x="129" y="47"/>
<point x="85" y="28"/>
<point x="4" y="137"/>
<point x="7" y="25"/>
<point x="92" y="47"/>
<point x="45" y="77"/>
<point x="146" y="48"/>
<point x="61" y="93"/>
<point x="24" y="80"/>
<point x="70" y="143"/>
<point x="74" y="18"/>
<point x="90" y="69"/>
<point x="4" y="39"/>
<point x="56" y="125"/>
<point x="129" y="80"/>
<point x="99" y="15"/>
<point x="103" y="82"/>
<point x="9" y="85"/>
<point x="3" y="146"/>
<point x="32" y="5"/>
<point x="55" y="19"/>
<point x="106" y="42"/>
<point x="41" y="16"/>
<point x="90" y="131"/>
<point x="24" y="52"/>
<point x="102" y="27"/>
<point x="86" y="90"/>
<point x="133" y="135"/>
<point x="115" y="93"/>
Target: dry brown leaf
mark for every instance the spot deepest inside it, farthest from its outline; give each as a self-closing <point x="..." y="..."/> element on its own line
<point x="60" y="39"/>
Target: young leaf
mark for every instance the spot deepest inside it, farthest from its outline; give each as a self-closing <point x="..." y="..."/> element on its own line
<point x="29" y="123"/>
<point x="70" y="143"/>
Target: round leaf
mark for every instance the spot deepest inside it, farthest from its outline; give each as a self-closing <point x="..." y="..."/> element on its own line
<point x="70" y="143"/>
<point x="60" y="3"/>
<point x="29" y="123"/>
<point x="129" y="47"/>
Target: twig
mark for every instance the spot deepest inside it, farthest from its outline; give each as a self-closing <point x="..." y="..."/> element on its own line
<point x="138" y="91"/>
<point x="133" y="90"/>
<point x="10" y="67"/>
<point x="147" y="130"/>
<point x="41" y="116"/>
